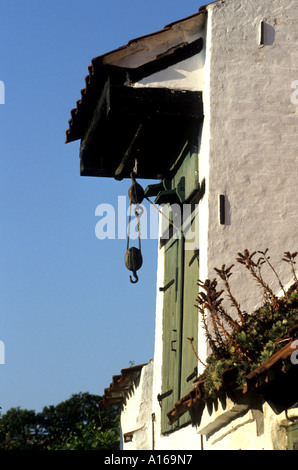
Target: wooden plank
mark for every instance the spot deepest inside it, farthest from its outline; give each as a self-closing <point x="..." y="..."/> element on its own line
<point x="150" y="102"/>
<point x="126" y="160"/>
<point x="101" y="111"/>
<point x="170" y="353"/>
<point x="190" y="325"/>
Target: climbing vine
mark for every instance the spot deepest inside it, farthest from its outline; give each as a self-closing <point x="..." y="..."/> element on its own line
<point x="240" y="342"/>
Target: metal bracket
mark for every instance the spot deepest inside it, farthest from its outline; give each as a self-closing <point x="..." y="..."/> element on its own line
<point x="160" y="397"/>
<point x="196" y="254"/>
<point x="169" y="284"/>
<point x="192" y="375"/>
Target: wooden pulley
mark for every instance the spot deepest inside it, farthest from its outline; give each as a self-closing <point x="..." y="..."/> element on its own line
<point x="133" y="262"/>
<point x="133" y="255"/>
<point x="135" y="192"/>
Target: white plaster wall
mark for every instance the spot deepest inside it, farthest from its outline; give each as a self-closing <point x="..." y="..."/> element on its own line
<point x="241" y="433"/>
<point x="157" y="375"/>
<point x="136" y="414"/>
<point x="184" y="439"/>
<point x="204" y="178"/>
<point x="186" y="75"/>
<point x="253" y="127"/>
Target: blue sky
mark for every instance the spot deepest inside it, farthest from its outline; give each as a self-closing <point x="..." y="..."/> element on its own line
<point x="69" y="317"/>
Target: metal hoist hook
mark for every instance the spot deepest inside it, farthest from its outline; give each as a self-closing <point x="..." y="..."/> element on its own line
<point x="133" y="255"/>
<point x="136" y="278"/>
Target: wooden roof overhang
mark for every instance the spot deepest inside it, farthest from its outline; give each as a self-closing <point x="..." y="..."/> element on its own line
<point x="143" y="124"/>
<point x="118" y="121"/>
<point x="124" y="123"/>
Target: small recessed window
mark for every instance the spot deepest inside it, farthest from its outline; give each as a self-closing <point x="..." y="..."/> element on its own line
<point x="266" y="34"/>
<point x="128" y="436"/>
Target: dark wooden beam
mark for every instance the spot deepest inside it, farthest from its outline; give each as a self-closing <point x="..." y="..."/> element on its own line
<point x="149" y="102"/>
<point x="126" y="158"/>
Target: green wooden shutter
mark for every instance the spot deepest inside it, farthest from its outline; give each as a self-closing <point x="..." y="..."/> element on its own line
<point x="186" y="177"/>
<point x="293" y="437"/>
<point x="171" y="333"/>
<point x="182" y="181"/>
<point x="180" y="317"/>
<point x="189" y="360"/>
<point x="180" y="322"/>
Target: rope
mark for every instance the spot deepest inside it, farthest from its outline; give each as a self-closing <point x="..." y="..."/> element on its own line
<point x="164" y="215"/>
<point x="128" y="229"/>
<point x="137" y="214"/>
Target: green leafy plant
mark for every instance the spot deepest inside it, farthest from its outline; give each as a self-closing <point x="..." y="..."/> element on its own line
<point x="241" y="342"/>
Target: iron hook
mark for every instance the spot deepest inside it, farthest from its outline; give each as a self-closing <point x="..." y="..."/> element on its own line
<point x="136" y="278"/>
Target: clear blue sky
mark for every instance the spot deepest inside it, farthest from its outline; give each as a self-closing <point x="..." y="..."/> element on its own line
<point x="69" y="317"/>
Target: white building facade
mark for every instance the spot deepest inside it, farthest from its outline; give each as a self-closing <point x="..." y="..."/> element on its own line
<point x="238" y="169"/>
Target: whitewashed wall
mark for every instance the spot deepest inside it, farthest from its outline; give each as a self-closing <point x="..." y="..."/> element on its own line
<point x="136" y="414"/>
<point x="253" y="156"/>
<point x="250" y="430"/>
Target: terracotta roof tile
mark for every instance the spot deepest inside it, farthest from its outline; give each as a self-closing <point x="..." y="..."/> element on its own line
<point x="120" y="386"/>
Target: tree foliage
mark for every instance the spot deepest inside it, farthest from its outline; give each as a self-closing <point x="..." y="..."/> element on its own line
<point x="74" y="424"/>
